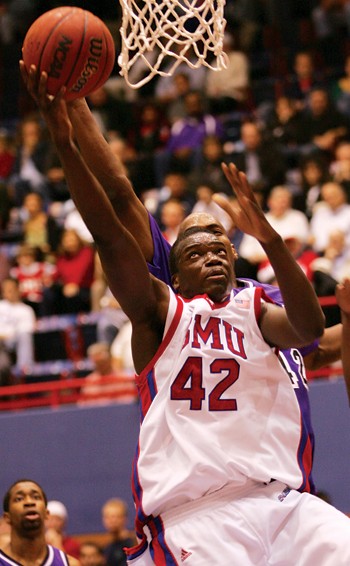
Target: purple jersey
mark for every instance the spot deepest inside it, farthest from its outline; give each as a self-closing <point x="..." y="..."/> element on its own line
<point x="54" y="557"/>
<point x="291" y="359"/>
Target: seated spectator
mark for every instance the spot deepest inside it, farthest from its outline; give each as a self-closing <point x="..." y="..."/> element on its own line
<point x="176" y="186"/>
<point x="282" y="127"/>
<point x="206" y="204"/>
<point x="114" y="518"/>
<point x="314" y="172"/>
<point x="17" y="324"/>
<point x="111" y="317"/>
<point x="7" y="156"/>
<point x="121" y="350"/>
<point x="171" y="216"/>
<point x="285" y="220"/>
<point x="340" y="89"/>
<point x="228" y="88"/>
<point x="186" y="137"/>
<point x="74" y="221"/>
<point x="28" y="172"/>
<point x="331" y="214"/>
<point x="75" y="271"/>
<point x="208" y="169"/>
<point x="340" y="166"/>
<point x="104" y="385"/>
<point x="262" y="162"/>
<point x="302" y="254"/>
<point x="303" y="79"/>
<point x="91" y="554"/>
<point x="33" y="277"/>
<point x="333" y="266"/>
<point x="56" y="524"/>
<point x="175" y="108"/>
<point x="40" y="229"/>
<point x="112" y="114"/>
<point x="322" y="126"/>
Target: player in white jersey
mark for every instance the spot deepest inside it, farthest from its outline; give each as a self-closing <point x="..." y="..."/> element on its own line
<point x="236" y="522"/>
<point x="25" y="510"/>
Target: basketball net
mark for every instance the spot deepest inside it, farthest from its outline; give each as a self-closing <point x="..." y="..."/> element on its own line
<point x="177" y="31"/>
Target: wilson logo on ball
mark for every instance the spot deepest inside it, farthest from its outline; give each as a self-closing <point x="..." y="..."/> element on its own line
<point x="92" y="64"/>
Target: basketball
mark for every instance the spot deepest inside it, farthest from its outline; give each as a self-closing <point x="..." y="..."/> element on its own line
<point x="74" y="47"/>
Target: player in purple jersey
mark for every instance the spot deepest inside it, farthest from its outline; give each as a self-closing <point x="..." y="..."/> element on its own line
<point x="25" y="510"/>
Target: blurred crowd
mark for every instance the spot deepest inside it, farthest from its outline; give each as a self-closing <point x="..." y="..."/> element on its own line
<point x="280" y="111"/>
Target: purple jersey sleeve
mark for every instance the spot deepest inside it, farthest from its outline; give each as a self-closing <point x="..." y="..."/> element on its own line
<point x="160" y="264"/>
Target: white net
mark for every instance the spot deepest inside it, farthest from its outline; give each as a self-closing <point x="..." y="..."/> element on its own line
<point x="189" y="31"/>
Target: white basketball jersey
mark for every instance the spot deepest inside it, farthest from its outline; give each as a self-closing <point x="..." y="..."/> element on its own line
<point x="216" y="406"/>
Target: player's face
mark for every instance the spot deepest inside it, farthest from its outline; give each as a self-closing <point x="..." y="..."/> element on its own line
<point x="27" y="508"/>
<point x="205" y="265"/>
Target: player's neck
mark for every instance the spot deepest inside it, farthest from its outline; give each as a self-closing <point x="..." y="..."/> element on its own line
<point x="28" y="552"/>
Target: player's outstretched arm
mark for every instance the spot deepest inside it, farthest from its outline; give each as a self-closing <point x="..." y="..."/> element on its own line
<point x="109" y="171"/>
<point x="342" y="293"/>
<point x="143" y="298"/>
<point x="305" y="316"/>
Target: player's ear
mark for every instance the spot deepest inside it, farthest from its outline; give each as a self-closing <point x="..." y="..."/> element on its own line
<point x="234" y="251"/>
<point x="175" y="283"/>
<point x="7" y="518"/>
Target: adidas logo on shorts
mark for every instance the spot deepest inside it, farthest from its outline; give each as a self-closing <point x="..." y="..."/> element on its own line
<point x="184" y="555"/>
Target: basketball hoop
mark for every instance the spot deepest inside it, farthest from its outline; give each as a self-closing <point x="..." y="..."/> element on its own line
<point x="189" y="31"/>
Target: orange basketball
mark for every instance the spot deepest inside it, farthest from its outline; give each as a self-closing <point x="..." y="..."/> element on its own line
<point x="74" y="47"/>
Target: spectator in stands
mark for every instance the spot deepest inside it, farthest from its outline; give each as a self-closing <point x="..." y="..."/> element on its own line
<point x="333" y="266"/>
<point x="34" y="277"/>
<point x="340" y="166"/>
<point x="331" y="21"/>
<point x="208" y="169"/>
<point x="56" y="524"/>
<point x="321" y="125"/>
<point x="314" y="172"/>
<point x="228" y="88"/>
<point x="206" y="204"/>
<point x="149" y="136"/>
<point x="262" y="162"/>
<point x="165" y="90"/>
<point x="171" y="216"/>
<point x="175" y="108"/>
<point x="332" y="213"/>
<point x="91" y="554"/>
<point x="282" y="126"/>
<point x="183" y="149"/>
<point x="114" y="518"/>
<point x="30" y="161"/>
<point x="302" y="254"/>
<point x="40" y="229"/>
<point x="343" y="300"/>
<point x="176" y="186"/>
<point x="303" y="79"/>
<point x="340" y="89"/>
<point x="25" y="510"/>
<point x="7" y="156"/>
<point x="104" y="385"/>
<point x="75" y="272"/>
<point x="121" y="350"/>
<point x="112" y="114"/>
<point x="17" y="324"/>
<point x="110" y="315"/>
<point x="287" y="221"/>
<point x="74" y="221"/>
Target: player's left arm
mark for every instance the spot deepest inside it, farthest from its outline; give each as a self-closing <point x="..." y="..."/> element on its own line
<point x="328" y="350"/>
<point x="342" y="293"/>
